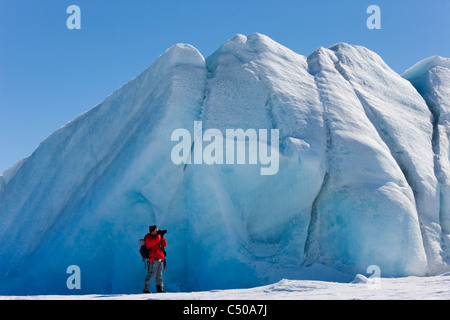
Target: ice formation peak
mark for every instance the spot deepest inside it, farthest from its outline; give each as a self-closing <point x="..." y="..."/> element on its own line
<point x="359" y="158"/>
<point x="183" y="54"/>
<point x="424" y="66"/>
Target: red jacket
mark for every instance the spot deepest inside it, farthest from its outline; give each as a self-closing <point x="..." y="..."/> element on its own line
<point x="154" y="243"/>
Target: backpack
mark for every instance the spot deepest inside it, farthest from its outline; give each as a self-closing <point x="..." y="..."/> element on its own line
<point x="145" y="252"/>
<point x="143" y="249"/>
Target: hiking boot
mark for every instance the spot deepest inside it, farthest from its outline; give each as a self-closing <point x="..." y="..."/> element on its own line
<point x="146" y="291"/>
<point x="159" y="289"/>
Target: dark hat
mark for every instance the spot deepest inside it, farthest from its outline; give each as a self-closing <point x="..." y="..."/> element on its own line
<point x="151" y="228"/>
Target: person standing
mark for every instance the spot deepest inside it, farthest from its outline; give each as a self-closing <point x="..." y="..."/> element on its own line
<point x="155" y="243"/>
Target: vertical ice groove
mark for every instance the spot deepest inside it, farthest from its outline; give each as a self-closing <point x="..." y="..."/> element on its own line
<point x="440" y="174"/>
<point x="312" y="247"/>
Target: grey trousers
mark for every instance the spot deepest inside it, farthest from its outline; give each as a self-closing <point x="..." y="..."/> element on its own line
<point x="154" y="271"/>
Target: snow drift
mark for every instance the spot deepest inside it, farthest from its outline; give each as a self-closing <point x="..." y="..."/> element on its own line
<point x="363" y="175"/>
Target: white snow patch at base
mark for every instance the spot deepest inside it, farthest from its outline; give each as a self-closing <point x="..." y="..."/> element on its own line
<point x="408" y="288"/>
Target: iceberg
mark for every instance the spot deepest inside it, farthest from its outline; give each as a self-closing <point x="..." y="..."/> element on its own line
<point x="362" y="175"/>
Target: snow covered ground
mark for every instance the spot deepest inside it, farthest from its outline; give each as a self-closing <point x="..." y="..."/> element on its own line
<point x="409" y="288"/>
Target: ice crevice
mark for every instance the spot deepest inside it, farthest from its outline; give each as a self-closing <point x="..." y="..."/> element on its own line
<point x="312" y="246"/>
<point x="439" y="168"/>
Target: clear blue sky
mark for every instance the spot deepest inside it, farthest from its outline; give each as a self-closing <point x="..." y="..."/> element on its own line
<point x="50" y="74"/>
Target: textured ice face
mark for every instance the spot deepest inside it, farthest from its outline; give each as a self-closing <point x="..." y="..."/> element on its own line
<point x="431" y="78"/>
<point x="357" y="183"/>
